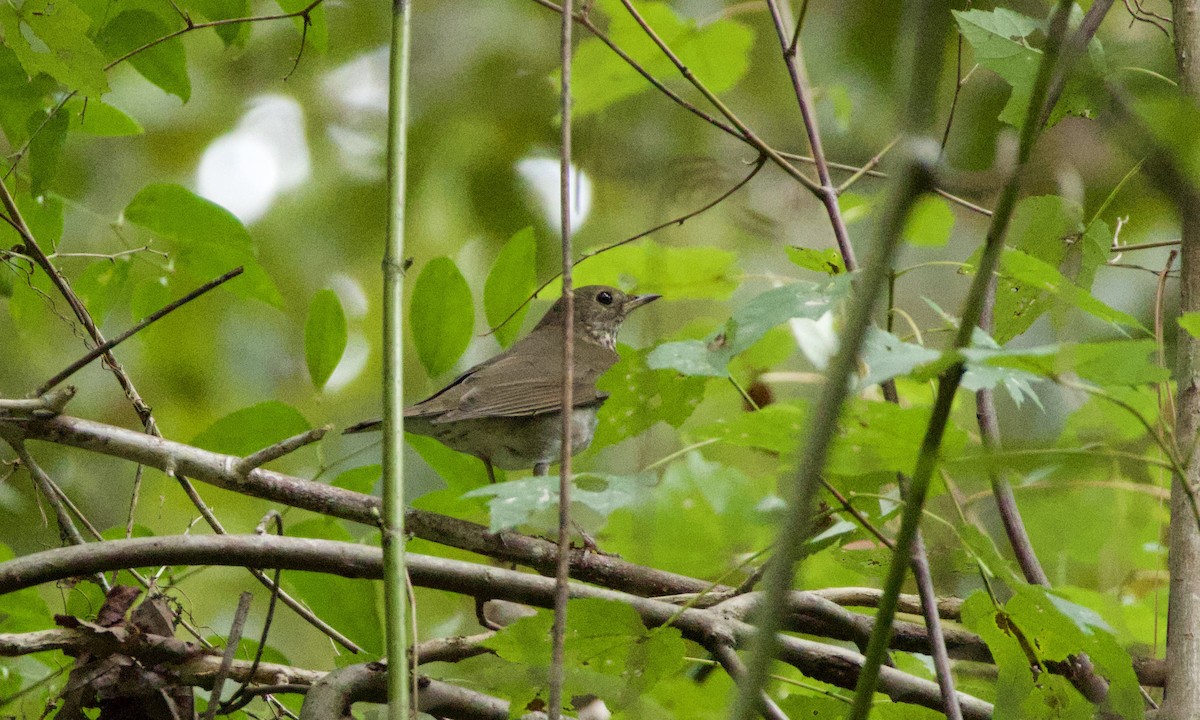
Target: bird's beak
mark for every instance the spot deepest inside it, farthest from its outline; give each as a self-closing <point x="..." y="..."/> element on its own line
<point x="639" y="300"/>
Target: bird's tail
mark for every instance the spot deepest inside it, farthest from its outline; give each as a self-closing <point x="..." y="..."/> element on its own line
<point x="365" y="426"/>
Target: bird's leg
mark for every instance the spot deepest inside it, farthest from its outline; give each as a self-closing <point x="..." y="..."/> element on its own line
<point x="589" y="543"/>
<point x="491" y="471"/>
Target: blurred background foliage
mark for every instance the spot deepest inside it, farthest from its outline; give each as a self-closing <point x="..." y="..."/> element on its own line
<point x="685" y="474"/>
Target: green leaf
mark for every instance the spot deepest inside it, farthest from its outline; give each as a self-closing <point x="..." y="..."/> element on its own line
<point x="97" y="118"/>
<point x="1044" y="277"/>
<point x="164" y="64"/>
<point x="1115" y="362"/>
<point x="509" y="284"/>
<point x="317" y="32"/>
<point x="678" y="273"/>
<point x="1049" y="228"/>
<point x="718" y="53"/>
<point x="828" y="261"/>
<point x="776" y="428"/>
<point x="64" y="50"/>
<point x="44" y="216"/>
<point x="211" y="240"/>
<point x="48" y="135"/>
<point x="23" y="610"/>
<point x="1190" y="322"/>
<point x="150" y="295"/>
<point x="23" y="96"/>
<point x="929" y="223"/>
<point x="887" y="356"/>
<point x="533" y="499"/>
<point x="360" y="479"/>
<point x="608" y="651"/>
<point x="639" y="397"/>
<point x="351" y="606"/>
<point x="251" y="429"/>
<point x="102" y="284"/>
<point x="711" y="356"/>
<point x="233" y="34"/>
<point x="324" y="336"/>
<point x="997" y="38"/>
<point x="442" y="315"/>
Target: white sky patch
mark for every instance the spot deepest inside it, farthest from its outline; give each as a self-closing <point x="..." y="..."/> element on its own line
<point x="540" y="175"/>
<point x="266" y="154"/>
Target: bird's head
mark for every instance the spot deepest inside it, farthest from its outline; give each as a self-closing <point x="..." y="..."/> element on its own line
<point x="599" y="312"/>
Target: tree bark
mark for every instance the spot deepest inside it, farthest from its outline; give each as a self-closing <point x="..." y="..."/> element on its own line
<point x="1182" y="698"/>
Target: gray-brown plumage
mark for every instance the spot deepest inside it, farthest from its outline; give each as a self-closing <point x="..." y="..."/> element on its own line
<point x="507" y="410"/>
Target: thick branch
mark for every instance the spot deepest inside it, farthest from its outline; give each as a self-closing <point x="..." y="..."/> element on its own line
<point x="710" y="627"/>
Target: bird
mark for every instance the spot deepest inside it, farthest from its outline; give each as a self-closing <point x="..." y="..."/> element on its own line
<point x="506" y="411"/>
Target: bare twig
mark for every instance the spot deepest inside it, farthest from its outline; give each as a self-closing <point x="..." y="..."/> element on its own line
<point x="231" y="645"/>
<point x="562" y="573"/>
<point x="279" y="449"/>
<point x="733" y="665"/>
<point x="108" y="345"/>
<point x="758" y="165"/>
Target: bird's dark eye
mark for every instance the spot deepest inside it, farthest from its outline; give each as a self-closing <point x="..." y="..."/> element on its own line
<point x="604" y="298"/>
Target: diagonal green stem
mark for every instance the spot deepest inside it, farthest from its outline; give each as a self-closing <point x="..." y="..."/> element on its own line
<point x="949" y="382"/>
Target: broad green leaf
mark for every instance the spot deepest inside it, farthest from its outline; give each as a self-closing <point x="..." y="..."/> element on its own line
<point x="639" y="397"/>
<point x="234" y="34"/>
<point x="606" y="643"/>
<point x="360" y="479"/>
<point x="997" y="38"/>
<point x="102" y="284"/>
<point x="532" y="499"/>
<point x="44" y="216"/>
<point x="718" y="54"/>
<point x="1059" y="628"/>
<point x="1000" y="40"/>
<point x="48" y="135"/>
<point x="251" y="429"/>
<point x="711" y="356"/>
<point x="324" y="336"/>
<point x="102" y="120"/>
<point x="1049" y="228"/>
<point x="316" y="34"/>
<point x="1115" y="362"/>
<point x="1190" y="322"/>
<point x="509" y="283"/>
<point x="827" y="261"/>
<point x="23" y="610"/>
<point x="51" y="36"/>
<point x="677" y="273"/>
<point x="1015" y="682"/>
<point x="855" y="206"/>
<point x="442" y="315"/>
<point x="929" y="223"/>
<point x="776" y="428"/>
<point x="882" y="436"/>
<point x="210" y="239"/>
<point x="149" y="296"/>
<point x="164" y="64"/>
<point x="351" y="606"/>
<point x="1046" y="278"/>
<point x="886" y="356"/>
<point x="23" y="95"/>
<point x="177" y="213"/>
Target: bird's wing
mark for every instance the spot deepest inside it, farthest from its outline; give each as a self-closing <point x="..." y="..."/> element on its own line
<point x="517" y="384"/>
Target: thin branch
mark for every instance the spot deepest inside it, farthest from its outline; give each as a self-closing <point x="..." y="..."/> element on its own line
<point x="232" y="642"/>
<point x="709" y="627"/>
<point x="950" y="379"/>
<point x="562" y="571"/>
<point x="826" y="192"/>
<point x="745" y="131"/>
<point x="279" y="449"/>
<point x="733" y="665"/>
<point x="758" y="165"/>
<point x="108" y="345"/>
